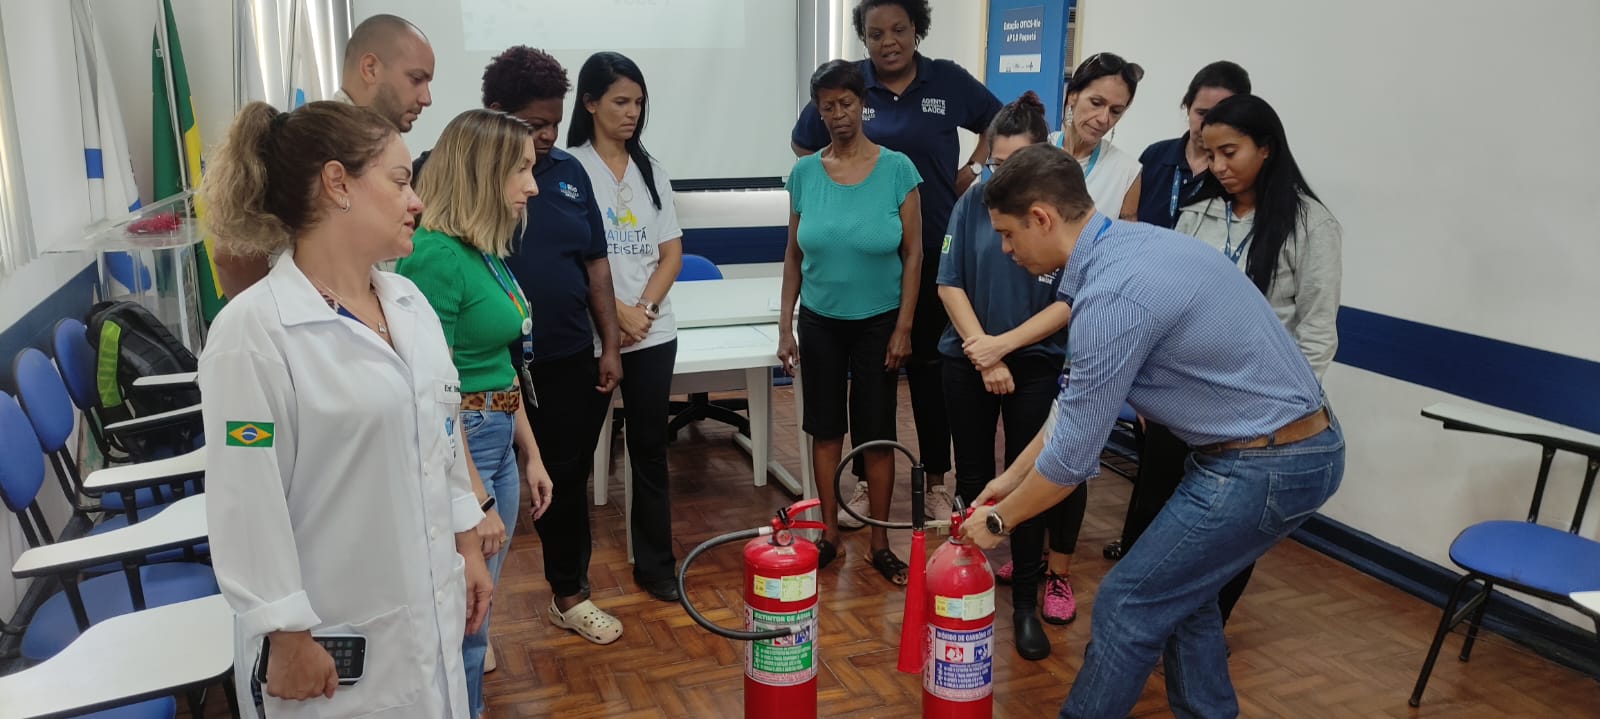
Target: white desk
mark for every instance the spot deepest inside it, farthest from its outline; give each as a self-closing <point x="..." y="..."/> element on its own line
<point x="718" y="303"/>
<point x="724" y="358"/>
<point x="183" y="523"/>
<point x="1588" y="602"/>
<point x="126" y="659"/>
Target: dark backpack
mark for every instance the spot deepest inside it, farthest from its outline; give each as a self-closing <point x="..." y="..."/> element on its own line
<point x="130" y="343"/>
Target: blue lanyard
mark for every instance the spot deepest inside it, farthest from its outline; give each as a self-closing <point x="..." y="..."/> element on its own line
<point x="1228" y="249"/>
<point x="1094" y="157"/>
<point x="1177" y="187"/>
<point x="516" y="296"/>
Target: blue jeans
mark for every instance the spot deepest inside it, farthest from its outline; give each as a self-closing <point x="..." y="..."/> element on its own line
<point x="1160" y="600"/>
<point x="489" y="436"/>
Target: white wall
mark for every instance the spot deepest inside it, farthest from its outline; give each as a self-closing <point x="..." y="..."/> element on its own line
<point x="1456" y="144"/>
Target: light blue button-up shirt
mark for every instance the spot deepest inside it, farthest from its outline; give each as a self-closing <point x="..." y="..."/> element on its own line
<point x="1167" y="323"/>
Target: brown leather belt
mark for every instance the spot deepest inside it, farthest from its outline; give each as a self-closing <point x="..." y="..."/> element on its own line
<point x="1301" y="429"/>
<point x="508" y="401"/>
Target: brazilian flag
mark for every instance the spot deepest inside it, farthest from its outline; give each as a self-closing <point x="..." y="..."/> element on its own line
<point x="169" y="156"/>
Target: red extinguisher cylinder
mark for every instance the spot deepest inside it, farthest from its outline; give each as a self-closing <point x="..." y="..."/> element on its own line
<point x="958" y="674"/>
<point x="780" y="589"/>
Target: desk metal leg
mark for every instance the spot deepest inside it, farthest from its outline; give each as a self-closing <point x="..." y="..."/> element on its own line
<point x="758" y="387"/>
<point x="602" y="459"/>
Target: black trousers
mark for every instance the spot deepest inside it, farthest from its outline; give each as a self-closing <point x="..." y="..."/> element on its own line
<point x="646" y="387"/>
<point x="1161" y="458"/>
<point x="974" y="413"/>
<point x="567" y="424"/>
<point x="925" y="370"/>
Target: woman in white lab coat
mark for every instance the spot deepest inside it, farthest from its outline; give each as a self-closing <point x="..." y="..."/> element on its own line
<point x="338" y="500"/>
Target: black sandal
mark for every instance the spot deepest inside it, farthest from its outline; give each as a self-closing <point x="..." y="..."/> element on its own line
<point x="890" y="566"/>
<point x="826" y="553"/>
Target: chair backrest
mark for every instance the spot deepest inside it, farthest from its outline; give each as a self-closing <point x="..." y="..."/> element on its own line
<point x="697" y="268"/>
<point x="45" y="399"/>
<point x="22" y="472"/>
<point x="75" y="359"/>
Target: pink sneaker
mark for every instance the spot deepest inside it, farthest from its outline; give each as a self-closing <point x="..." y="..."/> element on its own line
<point x="1003" y="574"/>
<point x="1060" y="607"/>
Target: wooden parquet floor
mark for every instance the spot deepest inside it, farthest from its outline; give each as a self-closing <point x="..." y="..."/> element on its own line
<point x="1312" y="638"/>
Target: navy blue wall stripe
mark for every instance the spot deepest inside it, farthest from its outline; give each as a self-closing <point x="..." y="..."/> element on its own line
<point x="737" y="245"/>
<point x="1556" y="387"/>
<point x="33" y="329"/>
<point x="1551" y="386"/>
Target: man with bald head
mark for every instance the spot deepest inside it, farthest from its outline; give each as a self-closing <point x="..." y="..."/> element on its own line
<point x="388" y="65"/>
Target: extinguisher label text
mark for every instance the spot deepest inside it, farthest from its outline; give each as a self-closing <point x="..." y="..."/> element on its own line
<point x="785" y="661"/>
<point x="967" y="608"/>
<point x="962" y="664"/>
<point x="786" y="589"/>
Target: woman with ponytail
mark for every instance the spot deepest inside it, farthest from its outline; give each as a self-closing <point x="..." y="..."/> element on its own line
<point x="1003" y="354"/>
<point x="340" y="501"/>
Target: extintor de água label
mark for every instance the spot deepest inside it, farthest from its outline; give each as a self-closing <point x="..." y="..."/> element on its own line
<point x="784" y="661"/>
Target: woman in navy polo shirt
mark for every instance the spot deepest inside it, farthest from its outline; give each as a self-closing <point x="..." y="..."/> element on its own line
<point x="560" y="263"/>
<point x="913" y="106"/>
<point x="1174" y="169"/>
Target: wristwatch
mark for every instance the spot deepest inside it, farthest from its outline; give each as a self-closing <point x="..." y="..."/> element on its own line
<point x="995" y="524"/>
<point x="488" y="504"/>
<point x="651" y="307"/>
<point x="976" y="167"/>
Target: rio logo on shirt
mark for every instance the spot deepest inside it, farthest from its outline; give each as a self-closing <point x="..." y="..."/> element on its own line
<point x="570" y="191"/>
<point x="249" y="434"/>
<point x="867" y="114"/>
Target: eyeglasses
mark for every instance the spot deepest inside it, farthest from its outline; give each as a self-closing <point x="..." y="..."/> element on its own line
<point x="1112" y="63"/>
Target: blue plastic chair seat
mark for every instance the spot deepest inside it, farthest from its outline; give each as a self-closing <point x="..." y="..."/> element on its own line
<point x="53" y="627"/>
<point x="1532" y="555"/>
<point x="143" y="497"/>
<point x="163" y="708"/>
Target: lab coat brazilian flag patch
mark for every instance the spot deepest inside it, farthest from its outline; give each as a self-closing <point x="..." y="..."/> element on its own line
<point x="249" y="434"/>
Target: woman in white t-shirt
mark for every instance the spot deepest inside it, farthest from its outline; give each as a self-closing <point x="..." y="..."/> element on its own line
<point x="644" y="245"/>
<point x="1098" y="94"/>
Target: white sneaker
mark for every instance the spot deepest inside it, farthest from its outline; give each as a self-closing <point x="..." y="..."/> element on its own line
<point x="857" y="503"/>
<point x="936" y="503"/>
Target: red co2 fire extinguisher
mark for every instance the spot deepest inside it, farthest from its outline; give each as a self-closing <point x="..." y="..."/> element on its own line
<point x="780" y="597"/>
<point x="948" y="630"/>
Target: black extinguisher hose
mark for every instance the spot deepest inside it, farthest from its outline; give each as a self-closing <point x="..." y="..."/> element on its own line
<point x="713" y="627"/>
<point x="917" y="490"/>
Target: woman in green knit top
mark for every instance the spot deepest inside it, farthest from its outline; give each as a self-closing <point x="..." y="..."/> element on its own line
<point x="478" y="181"/>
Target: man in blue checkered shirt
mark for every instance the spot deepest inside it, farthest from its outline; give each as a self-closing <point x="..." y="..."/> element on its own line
<point x="1166" y="323"/>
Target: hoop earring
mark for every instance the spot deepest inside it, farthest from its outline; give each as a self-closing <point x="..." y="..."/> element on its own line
<point x="346" y="206"/>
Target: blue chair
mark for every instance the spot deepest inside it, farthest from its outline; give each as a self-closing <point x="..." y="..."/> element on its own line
<point x="77" y="361"/>
<point x="82" y="602"/>
<point x="48" y="404"/>
<point x="696" y="268"/>
<point x="1522" y="555"/>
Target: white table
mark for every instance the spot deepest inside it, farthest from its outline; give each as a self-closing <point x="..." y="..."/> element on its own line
<point x="127" y="659"/>
<point x="719" y="303"/>
<point x="717" y="359"/>
<point x="182" y="524"/>
<point x="1588" y="602"/>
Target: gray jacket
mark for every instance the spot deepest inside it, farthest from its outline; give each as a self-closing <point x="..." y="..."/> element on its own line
<point x="1305" y="289"/>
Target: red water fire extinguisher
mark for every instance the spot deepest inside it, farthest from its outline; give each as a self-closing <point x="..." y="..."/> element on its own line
<point x="948" y="630"/>
<point x="780" y="598"/>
